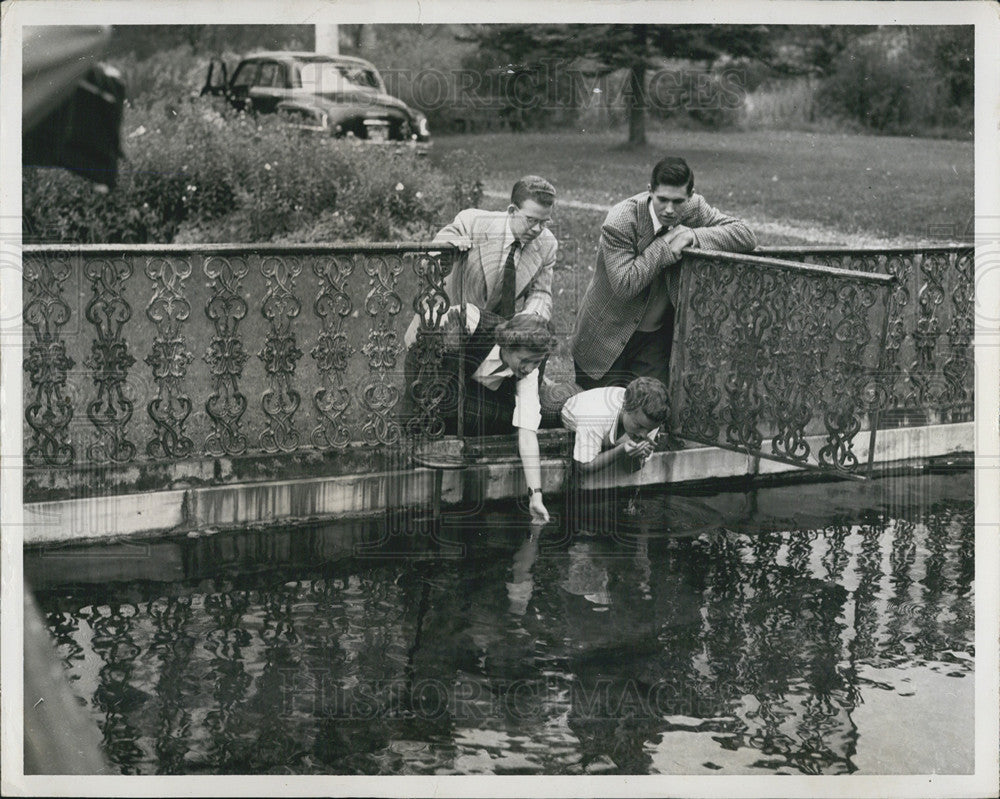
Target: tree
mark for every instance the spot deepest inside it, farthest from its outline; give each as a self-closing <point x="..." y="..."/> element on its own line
<point x="144" y="41"/>
<point x="633" y="47"/>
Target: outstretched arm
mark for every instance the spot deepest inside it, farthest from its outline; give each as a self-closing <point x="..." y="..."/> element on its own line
<point x="527" y="447"/>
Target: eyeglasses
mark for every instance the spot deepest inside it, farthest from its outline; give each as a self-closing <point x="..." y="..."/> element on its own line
<point x="534" y="221"/>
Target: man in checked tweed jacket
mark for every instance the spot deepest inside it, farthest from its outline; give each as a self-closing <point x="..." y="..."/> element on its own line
<point x="624" y="328"/>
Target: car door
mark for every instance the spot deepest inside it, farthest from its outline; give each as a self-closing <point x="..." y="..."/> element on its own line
<point x="268" y="87"/>
<point x="217" y="79"/>
<point x="243" y="80"/>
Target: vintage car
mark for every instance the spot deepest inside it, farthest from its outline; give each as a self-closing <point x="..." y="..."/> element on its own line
<point x="339" y="95"/>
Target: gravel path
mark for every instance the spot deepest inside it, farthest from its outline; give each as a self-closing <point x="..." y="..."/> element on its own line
<point x="789" y="232"/>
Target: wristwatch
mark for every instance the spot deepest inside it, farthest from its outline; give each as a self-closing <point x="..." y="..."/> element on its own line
<point x="532" y="491"/>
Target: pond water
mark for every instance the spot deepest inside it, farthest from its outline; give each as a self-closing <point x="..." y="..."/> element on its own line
<point x="822" y="628"/>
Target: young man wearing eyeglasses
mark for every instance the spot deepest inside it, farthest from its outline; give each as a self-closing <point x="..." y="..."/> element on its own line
<point x="506" y="259"/>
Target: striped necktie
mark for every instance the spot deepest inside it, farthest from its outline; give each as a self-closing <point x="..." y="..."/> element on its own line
<point x="509" y="281"/>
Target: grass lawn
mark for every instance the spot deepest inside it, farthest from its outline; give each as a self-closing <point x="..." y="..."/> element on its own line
<point x="885" y="186"/>
<point x="889" y="187"/>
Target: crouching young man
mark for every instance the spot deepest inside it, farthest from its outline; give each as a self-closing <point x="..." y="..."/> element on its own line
<point x="501" y="377"/>
<point x="616" y="427"/>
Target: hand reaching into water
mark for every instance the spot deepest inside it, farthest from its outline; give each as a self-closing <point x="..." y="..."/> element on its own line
<point x="539" y="514"/>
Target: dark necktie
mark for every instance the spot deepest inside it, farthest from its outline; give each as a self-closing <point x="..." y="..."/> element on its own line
<point x="508" y="283"/>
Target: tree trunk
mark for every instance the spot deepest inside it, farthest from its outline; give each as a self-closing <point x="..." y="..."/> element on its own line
<point x="327" y="39"/>
<point x="637" y="104"/>
<point x="364" y="39"/>
<point x="637" y="89"/>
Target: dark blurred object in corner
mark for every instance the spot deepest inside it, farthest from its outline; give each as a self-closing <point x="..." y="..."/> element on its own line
<point x="71" y="112"/>
<point x="72" y="106"/>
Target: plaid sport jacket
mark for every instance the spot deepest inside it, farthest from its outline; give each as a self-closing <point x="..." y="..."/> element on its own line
<point x="629" y="258"/>
<point x="482" y="264"/>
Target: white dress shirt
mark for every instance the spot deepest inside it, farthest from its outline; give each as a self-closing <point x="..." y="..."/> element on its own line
<point x="595" y="415"/>
<point x="493" y="371"/>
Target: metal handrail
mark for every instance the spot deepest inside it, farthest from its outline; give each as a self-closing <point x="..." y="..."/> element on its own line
<point x="792" y="266"/>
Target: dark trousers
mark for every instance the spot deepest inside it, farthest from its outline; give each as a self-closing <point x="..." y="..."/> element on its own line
<point x="646" y="354"/>
<point x="486" y="412"/>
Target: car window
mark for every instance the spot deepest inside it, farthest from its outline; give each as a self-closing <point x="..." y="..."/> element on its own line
<point x="245" y="74"/>
<point x="270" y="74"/>
<point x="325" y="77"/>
<point x="361" y="76"/>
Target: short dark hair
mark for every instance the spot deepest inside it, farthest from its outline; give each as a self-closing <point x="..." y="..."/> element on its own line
<point x="533" y="187"/>
<point x="527" y="331"/>
<point x="672" y="171"/>
<point x="650" y="396"/>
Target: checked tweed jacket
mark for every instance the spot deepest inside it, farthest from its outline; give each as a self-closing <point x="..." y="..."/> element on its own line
<point x="629" y="258"/>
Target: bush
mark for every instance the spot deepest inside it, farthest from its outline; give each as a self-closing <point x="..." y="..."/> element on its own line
<point x="197" y="172"/>
<point x="166" y="76"/>
<point x="885" y="86"/>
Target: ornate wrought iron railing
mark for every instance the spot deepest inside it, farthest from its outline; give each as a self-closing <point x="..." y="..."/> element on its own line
<point x="139" y="353"/>
<point x="156" y="354"/>
<point x="768" y="353"/>
<point x="929" y="359"/>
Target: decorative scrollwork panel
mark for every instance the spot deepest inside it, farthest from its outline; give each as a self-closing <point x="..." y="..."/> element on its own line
<point x="48" y="409"/>
<point x="226" y="356"/>
<point x="110" y="360"/>
<point x="768" y="353"/>
<point x="279" y="354"/>
<point x="957" y="367"/>
<point x="332" y="352"/>
<point x="926" y="371"/>
<point x="168" y="308"/>
<point x="430" y="390"/>
<point x="380" y="392"/>
<point x="924" y="381"/>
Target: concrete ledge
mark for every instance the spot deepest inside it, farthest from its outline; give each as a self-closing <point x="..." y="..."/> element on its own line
<point x="104" y="517"/>
<point x="896" y="445"/>
<point x="287" y="501"/>
<point x="319" y="497"/>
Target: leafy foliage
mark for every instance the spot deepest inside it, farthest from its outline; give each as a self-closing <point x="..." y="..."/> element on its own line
<point x="610" y="47"/>
<point x="903" y="81"/>
<point x="197" y="173"/>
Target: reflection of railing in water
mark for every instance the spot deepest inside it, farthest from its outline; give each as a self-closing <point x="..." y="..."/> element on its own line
<point x="786" y="618"/>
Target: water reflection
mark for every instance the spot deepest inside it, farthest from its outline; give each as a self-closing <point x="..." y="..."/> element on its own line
<point x="713" y="633"/>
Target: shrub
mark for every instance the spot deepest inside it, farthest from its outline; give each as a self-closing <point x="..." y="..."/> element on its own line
<point x="709" y="98"/>
<point x="167" y="76"/>
<point x="197" y="172"/>
<point x="882" y="84"/>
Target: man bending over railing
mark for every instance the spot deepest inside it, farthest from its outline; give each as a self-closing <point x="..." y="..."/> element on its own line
<point x="625" y="325"/>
